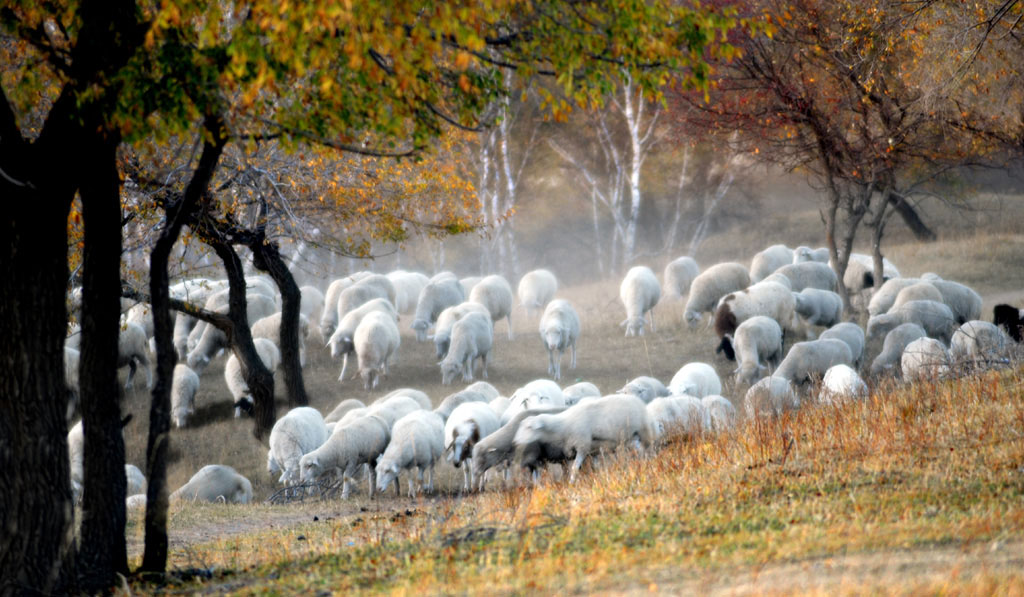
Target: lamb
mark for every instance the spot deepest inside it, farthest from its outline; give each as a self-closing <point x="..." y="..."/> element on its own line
<point x="921" y="291"/>
<point x="695" y="379"/>
<point x="184" y="385"/>
<point x="850" y="333"/>
<point x="447" y="318"/>
<point x="132" y="351"/>
<point x="235" y="378"/>
<point x="536" y="394"/>
<point x="376" y="341"/>
<point x="559" y="331"/>
<point x="811" y="359"/>
<point x="578" y="391"/>
<point x="758" y="344"/>
<point x="765" y="298"/>
<point x="472" y="338"/>
<point x="212" y="339"/>
<point x="469" y="423"/>
<point x="535" y="289"/>
<point x="453" y="401"/>
<point x="883" y="298"/>
<point x="770" y="397"/>
<point x="269" y="327"/>
<point x="819" y="307"/>
<point x="977" y="343"/>
<point x="498" y="447"/>
<point x="300" y="431"/>
<point x="769" y="260"/>
<point x="936" y="319"/>
<point x="645" y="388"/>
<point x="588" y="427"/>
<point x="639" y="293"/>
<point x="678" y="276"/>
<point x="840" y="384"/>
<point x="721" y="412"/>
<point x="892" y="349"/>
<point x="350" y="446"/>
<point x="962" y="300"/>
<point x="436" y="297"/>
<point x="342" y="343"/>
<point x="802" y="254"/>
<point x="494" y="293"/>
<point x="809" y="274"/>
<point x="417" y="441"/>
<point x="710" y="286"/>
<point x="215" y="483"/>
<point x="408" y="286"/>
<point x="1009" y="318"/>
<point x="924" y="358"/>
<point x="343" y="407"/>
<point x="419" y="396"/>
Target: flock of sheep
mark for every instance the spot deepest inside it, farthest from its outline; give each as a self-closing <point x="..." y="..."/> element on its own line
<point x="931" y="328"/>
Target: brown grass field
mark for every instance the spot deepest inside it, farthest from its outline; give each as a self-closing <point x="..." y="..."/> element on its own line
<point x="919" y="489"/>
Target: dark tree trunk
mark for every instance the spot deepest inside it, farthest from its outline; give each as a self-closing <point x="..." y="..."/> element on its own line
<point x="911" y="218"/>
<point x="268" y="257"/>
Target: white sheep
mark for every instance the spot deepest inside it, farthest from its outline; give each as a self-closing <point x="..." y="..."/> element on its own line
<point x="802" y="254"/>
<point x="215" y="483"/>
<point x="884" y="297"/>
<point x="376" y="342"/>
<point x="350" y="446"/>
<point x="443" y="326"/>
<point x="936" y="319"/>
<point x="183" y="326"/>
<point x="472" y="338"/>
<point x="342" y="342"/>
<point x="490" y="392"/>
<point x="924" y="358"/>
<point x="852" y="334"/>
<point x="639" y="293"/>
<point x="588" y="427"/>
<point x="860" y="274"/>
<point x="311" y="305"/>
<point x="235" y="379"/>
<point x="269" y="327"/>
<point x="329" y="317"/>
<point x="535" y="289"/>
<point x="767" y="261"/>
<point x="841" y="384"/>
<point x="764" y="298"/>
<point x="408" y="286"/>
<point x="135" y="502"/>
<point x="721" y="412"/>
<point x="770" y="397"/>
<point x="132" y="351"/>
<point x="184" y="385"/>
<point x="892" y="348"/>
<point x="678" y="276"/>
<point x="435" y="297"/>
<point x="921" y="291"/>
<point x="819" y="307"/>
<point x="300" y="431"/>
<point x="417" y="441"/>
<point x="359" y="294"/>
<point x="536" y="394"/>
<point x="962" y="300"/>
<point x="559" y="331"/>
<point x="645" y="388"/>
<point x="977" y="343"/>
<point x="779" y="279"/>
<point x="682" y="415"/>
<point x="498" y="447"/>
<point x="578" y="391"/>
<point x="343" y="407"/>
<point x="695" y="379"/>
<point x="710" y="286"/>
<point x="758" y="344"/>
<point x="212" y="339"/>
<point x="141" y="314"/>
<point x="469" y="283"/>
<point x="393" y="409"/>
<point x="419" y="396"/>
<point x="452" y="401"/>
<point x="811" y="359"/>
<point x="499" y="405"/>
<point x="494" y="293"/>
<point x="809" y="274"/>
<point x="469" y="423"/>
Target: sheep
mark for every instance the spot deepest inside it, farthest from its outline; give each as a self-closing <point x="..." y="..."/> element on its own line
<point x="721" y="412"/>
<point x="812" y="359"/>
<point x="343" y="407"/>
<point x="435" y="297"/>
<point x="977" y="342"/>
<point x="537" y="393"/>
<point x="921" y="291"/>
<point x="135" y="481"/>
<point x="469" y="423"/>
<point x="472" y="338"/>
<point x="490" y="392"/>
<point x="685" y="415"/>
<point x="892" y="348"/>
<point x="1009" y="318"/>
<point x="769" y="260"/>
<point x="452" y="401"/>
<point x="341" y="341"/>
<point x="300" y="431"/>
<point x="802" y="254"/>
<point x="852" y="334"/>
<point x="498" y="447"/>
<point x="758" y="343"/>
<point x="494" y="293"/>
<point x="924" y="358"/>
<point x="72" y="358"/>
<point x="645" y="388"/>
<point x="76" y="460"/>
<point x="376" y="341"/>
<point x="442" y="275"/>
<point x="132" y="351"/>
<point x="408" y="286"/>
<point x="639" y="293"/>
<point x="447" y="318"/>
<point x="936" y="319"/>
<point x="212" y="339"/>
<point x="710" y="286"/>
<point x="588" y="427"/>
<point x="359" y="294"/>
<point x="535" y="289"/>
<point x="183" y="326"/>
<point x="350" y="446"/>
<point x="215" y="483"/>
<point x="419" y="396"/>
<point x="417" y="441"/>
<point x="269" y="327"/>
<point x="809" y="274"/>
<point x="184" y="385"/>
<point x="840" y="384"/>
<point x="819" y="307"/>
<point x="559" y="331"/>
<point x="135" y="502"/>
<point x="884" y="297"/>
<point x="695" y="379"/>
<point x="235" y="379"/>
<point x="962" y="300"/>
<point x="779" y="279"/>
<point x="499" y="405"/>
<point x="265" y="285"/>
<point x="678" y="276"/>
<point x="860" y="273"/>
<point x="141" y="314"/>
<point x="770" y="397"/>
<point x="930" y="277"/>
<point x="329" y="316"/>
<point x="765" y="298"/>
<point x="393" y="409"/>
<point x="578" y="391"/>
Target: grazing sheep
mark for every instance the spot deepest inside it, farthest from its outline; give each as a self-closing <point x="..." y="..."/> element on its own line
<point x="770" y="397"/>
<point x="962" y="300"/>
<point x="684" y="415"/>
<point x="183" y="326"/>
<point x="498" y="447"/>
<point x="841" y="384"/>
<point x="343" y="407"/>
<point x="329" y="317"/>
<point x="132" y="351"/>
<point x="1009" y="318"/>
<point x="764" y="298"/>
<point x="135" y="481"/>
<point x="645" y="388"/>
<point x="860" y="273"/>
<point x="215" y="483"/>
<point x="936" y="318"/>
<point x="921" y="291"/>
<point x="802" y="254"/>
<point x="300" y="431"/>
<point x="419" y="396"/>
<point x="678" y="276"/>
<point x="535" y="289"/>
<point x="639" y="293"/>
<point x="811" y="359"/>
<point x="350" y="446"/>
<point x="578" y="391"/>
<point x="976" y="343"/>
<point x="499" y="405"/>
<point x="809" y="274"/>
<point x="212" y="339"/>
<point x="235" y="379"/>
<point x="819" y="307"/>
<point x="710" y="286"/>
<point x="469" y="423"/>
<point x="850" y="333"/>
<point x="184" y="385"/>
<point x="924" y="358"/>
<point x="435" y="297"/>
<point x="141" y="314"/>
<point x="494" y="293"/>
<point x="376" y="341"/>
<point x="490" y="392"/>
<point x="587" y="427"/>
<point x="767" y="261"/>
<point x="779" y="279"/>
<point x="472" y="338"/>
<point x="371" y="279"/>
<point x="269" y="327"/>
<point x="417" y="441"/>
<point x="536" y="394"/>
<point x="452" y="401"/>
<point x="393" y="409"/>
<point x="358" y="295"/>
<point x="447" y="318"/>
<point x="758" y="344"/>
<point x="408" y="286"/>
<point x="559" y="331"/>
<point x="883" y="298"/>
<point x="721" y="413"/>
<point x="342" y="341"/>
<point x="892" y="348"/>
<point x="695" y="379"/>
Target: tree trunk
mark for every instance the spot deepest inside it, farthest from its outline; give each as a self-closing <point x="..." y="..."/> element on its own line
<point x="910" y="216"/>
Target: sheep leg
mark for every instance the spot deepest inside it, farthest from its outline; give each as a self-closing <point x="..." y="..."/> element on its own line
<point x="131" y="373"/>
<point x="483" y="365"/>
<point x="577" y="463"/>
<point x="508" y="318"/>
<point x="344" y="364"/>
<point x="573" y="347"/>
<point x="651" y="314"/>
<point x="551" y="362"/>
<point x="430" y="478"/>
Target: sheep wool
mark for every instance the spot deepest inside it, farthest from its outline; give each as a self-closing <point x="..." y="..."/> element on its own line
<point x="710" y="286"/>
